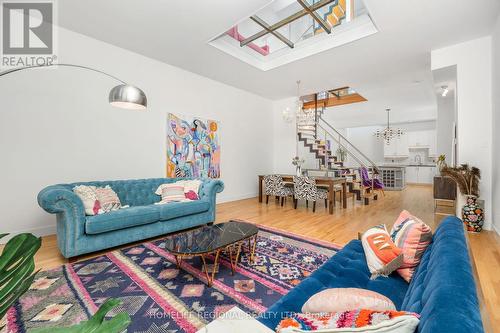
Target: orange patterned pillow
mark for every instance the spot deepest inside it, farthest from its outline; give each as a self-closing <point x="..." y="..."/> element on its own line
<point x="382" y="255"/>
<point x="413" y="236"/>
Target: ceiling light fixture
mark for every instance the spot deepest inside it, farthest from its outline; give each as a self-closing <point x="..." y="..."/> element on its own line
<point x="388" y="133"/>
<point x="445" y="91"/>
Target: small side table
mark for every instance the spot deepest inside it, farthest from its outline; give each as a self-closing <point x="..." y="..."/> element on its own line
<point x="235" y="320"/>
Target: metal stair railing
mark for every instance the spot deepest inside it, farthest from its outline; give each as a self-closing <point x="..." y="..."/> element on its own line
<point x="350" y="148"/>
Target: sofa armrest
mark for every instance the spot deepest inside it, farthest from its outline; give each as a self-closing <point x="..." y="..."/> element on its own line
<point x="210" y="188"/>
<point x="58" y="199"/>
<point x="70" y="215"/>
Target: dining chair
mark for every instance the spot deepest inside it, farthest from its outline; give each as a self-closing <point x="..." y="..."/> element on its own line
<point x="274" y="185"/>
<point x="305" y="188"/>
<point x="371" y="184"/>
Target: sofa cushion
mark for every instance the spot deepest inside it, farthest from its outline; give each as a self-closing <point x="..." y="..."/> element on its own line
<point x="123" y="218"/>
<point x="176" y="209"/>
<point x="346" y="269"/>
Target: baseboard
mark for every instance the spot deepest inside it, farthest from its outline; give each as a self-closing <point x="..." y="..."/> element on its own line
<point x="497" y="229"/>
<point x="39" y="232"/>
<point x="222" y="199"/>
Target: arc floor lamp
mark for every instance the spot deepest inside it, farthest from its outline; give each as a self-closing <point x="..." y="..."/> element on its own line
<point x="124" y="95"/>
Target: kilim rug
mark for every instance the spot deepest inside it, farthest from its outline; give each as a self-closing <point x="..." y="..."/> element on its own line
<point x="161" y="298"/>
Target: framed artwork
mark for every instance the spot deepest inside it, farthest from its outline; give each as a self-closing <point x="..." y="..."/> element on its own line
<point x="193" y="147"/>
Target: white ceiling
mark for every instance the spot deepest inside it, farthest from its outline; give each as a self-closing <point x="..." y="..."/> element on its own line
<point x="383" y="67"/>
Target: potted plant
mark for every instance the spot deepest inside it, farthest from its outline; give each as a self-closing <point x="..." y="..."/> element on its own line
<point x="297" y="161"/>
<point x="441" y="163"/>
<point x="341" y="154"/>
<point x="467" y="179"/>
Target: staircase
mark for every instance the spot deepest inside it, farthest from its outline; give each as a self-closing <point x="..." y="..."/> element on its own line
<point x="334" y="15"/>
<point x="307" y="132"/>
<point x="316" y="134"/>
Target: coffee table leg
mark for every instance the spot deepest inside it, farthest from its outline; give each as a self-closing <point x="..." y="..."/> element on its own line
<point x="231" y="258"/>
<point x="209" y="281"/>
<point x="216" y="260"/>
<point x="237" y="255"/>
<point x="252" y="249"/>
<point x="178" y="261"/>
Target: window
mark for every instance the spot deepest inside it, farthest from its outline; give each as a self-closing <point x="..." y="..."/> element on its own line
<point x="294" y="27"/>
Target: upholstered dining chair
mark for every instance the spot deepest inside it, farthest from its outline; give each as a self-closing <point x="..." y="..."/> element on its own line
<point x="305" y="188"/>
<point x="371" y="184"/>
<point x="274" y="185"/>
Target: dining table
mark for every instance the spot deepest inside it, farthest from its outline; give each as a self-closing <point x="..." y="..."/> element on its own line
<point x="328" y="182"/>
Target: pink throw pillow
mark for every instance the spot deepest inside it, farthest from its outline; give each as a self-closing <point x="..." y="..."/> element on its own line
<point x="347" y="299"/>
<point x="413" y="236"/>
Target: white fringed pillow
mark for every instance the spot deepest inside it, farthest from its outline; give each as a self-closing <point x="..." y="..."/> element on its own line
<point x="347" y="299"/>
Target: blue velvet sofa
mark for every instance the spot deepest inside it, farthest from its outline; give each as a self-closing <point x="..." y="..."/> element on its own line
<point x="442" y="290"/>
<point x="79" y="234"/>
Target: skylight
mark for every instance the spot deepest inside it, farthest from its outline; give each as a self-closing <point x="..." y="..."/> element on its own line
<point x="288" y="30"/>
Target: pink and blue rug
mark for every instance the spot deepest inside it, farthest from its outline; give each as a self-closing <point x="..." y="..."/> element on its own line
<point x="161" y="298"/>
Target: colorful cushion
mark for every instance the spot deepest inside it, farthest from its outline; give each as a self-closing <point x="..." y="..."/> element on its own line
<point x="413" y="236"/>
<point x="191" y="188"/>
<point x="382" y="256"/>
<point x="89" y="198"/>
<point x="351" y="321"/>
<point x="347" y="299"/>
<point x="108" y="199"/>
<point x="172" y="193"/>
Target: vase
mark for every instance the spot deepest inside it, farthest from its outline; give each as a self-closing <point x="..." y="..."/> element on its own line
<point x="298" y="170"/>
<point x="472" y="214"/>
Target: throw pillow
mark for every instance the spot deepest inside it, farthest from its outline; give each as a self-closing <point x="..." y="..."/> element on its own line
<point x="191" y="188"/>
<point x="89" y="198"/>
<point x="108" y="199"/>
<point x="413" y="236"/>
<point x="347" y="299"/>
<point x="351" y="321"/>
<point x="382" y="256"/>
<point x="172" y="193"/>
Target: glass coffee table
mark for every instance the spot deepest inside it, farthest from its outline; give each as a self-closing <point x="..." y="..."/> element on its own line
<point x="227" y="236"/>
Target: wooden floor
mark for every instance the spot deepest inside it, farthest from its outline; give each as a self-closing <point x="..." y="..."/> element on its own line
<point x="344" y="225"/>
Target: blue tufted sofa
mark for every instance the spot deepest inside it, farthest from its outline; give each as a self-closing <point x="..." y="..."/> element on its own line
<point x="442" y="290"/>
<point x="79" y="234"/>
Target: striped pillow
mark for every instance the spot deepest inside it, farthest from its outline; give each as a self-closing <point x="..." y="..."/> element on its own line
<point x="413" y="236"/>
<point x="171" y="193"/>
<point x="360" y="320"/>
<point x="382" y="255"/>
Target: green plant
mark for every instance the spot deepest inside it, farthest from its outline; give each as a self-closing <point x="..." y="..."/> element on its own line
<point x="441" y="162"/>
<point x="467" y="178"/>
<point x="16" y="268"/>
<point x="341" y="153"/>
<point x="96" y="324"/>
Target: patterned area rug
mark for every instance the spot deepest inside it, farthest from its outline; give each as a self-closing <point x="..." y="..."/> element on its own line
<point x="161" y="298"/>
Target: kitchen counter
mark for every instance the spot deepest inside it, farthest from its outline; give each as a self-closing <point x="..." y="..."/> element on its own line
<point x="406" y="165"/>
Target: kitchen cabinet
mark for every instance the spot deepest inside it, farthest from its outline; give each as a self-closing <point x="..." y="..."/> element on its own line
<point x="432" y="144"/>
<point x="420" y="174"/>
<point x="422" y="138"/>
<point x="397" y="147"/>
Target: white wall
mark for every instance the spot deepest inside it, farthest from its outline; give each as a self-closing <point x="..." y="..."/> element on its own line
<point x="284" y="143"/>
<point x="496" y="126"/>
<point x="444" y="124"/>
<point x="57" y="127"/>
<point x="364" y="140"/>
<point x="474" y="107"/>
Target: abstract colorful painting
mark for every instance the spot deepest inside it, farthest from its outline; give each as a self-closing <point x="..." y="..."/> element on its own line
<point x="193" y="147"/>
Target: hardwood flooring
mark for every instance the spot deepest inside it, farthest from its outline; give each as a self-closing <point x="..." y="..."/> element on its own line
<point x="344" y="225"/>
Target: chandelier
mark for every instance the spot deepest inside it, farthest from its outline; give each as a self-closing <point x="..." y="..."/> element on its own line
<point x="388" y="133"/>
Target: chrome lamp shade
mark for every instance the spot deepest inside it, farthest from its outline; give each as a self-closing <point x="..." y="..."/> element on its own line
<point x="126" y="96"/>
